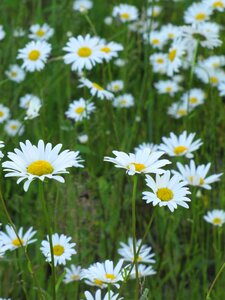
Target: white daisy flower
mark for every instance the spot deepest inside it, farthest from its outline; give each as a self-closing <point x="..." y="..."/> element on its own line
<point x="154" y="11"/>
<point x="33" y="110"/>
<point x="194" y="97"/>
<point x="127" y="252"/>
<point x="15" y="73"/>
<point x="73" y="273"/>
<point x="62" y="249"/>
<point x="96" y="89"/>
<point x="14" y="127"/>
<point x="79" y="110"/>
<point x="143" y="271"/>
<point x="110" y="50"/>
<point x="115" y="86"/>
<point x="11" y="241"/>
<point x="98" y="296"/>
<point x="104" y="272"/>
<point x="214" y="61"/>
<point x="196" y="175"/>
<point x="2" y="249"/>
<point x="125" y="100"/>
<point x="171" y="31"/>
<point x="34" y="55"/>
<point x="167" y="87"/>
<point x="150" y="146"/>
<point x="197" y="13"/>
<point x="143" y="161"/>
<point x="2" y="33"/>
<point x="167" y="190"/>
<point x="2" y="145"/>
<point x="155" y="38"/>
<point x="38" y="162"/>
<point x="221" y="88"/>
<point x="82" y="5"/>
<point x="125" y="12"/>
<point x="179" y="109"/>
<point x="24" y="102"/>
<point x="4" y="113"/>
<point x="215" y="4"/>
<point x="181" y="145"/>
<point x="41" y="32"/>
<point x="174" y="56"/>
<point x="159" y="62"/>
<point x="83" y="52"/>
<point x="215" y="217"/>
<point x="211" y="76"/>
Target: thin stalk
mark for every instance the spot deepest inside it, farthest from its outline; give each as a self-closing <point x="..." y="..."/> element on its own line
<point x="214" y="281"/>
<point x="90" y="23"/>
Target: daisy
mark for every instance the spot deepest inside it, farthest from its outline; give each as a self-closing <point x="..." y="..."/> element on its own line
<point x="15" y="73"/>
<point x="167" y="190"/>
<point x="14" y="127"/>
<point x="96" y="89"/>
<point x="115" y="86"/>
<point x="170" y="31"/>
<point x="82" y="5"/>
<point x="174" y="57"/>
<point x="2" y="33"/>
<point x="196" y="175"/>
<point x="110" y="50"/>
<point x="72" y="274"/>
<point x="38" y="162"/>
<point x="221" y="88"/>
<point x="143" y="161"/>
<point x="4" y="113"/>
<point x="34" y="55"/>
<point x="2" y="250"/>
<point x="104" y="272"/>
<point x="214" y="61"/>
<point x="2" y="145"/>
<point x="197" y="13"/>
<point x="215" y="4"/>
<point x="83" y="52"/>
<point x="155" y="38"/>
<point x="33" y="110"/>
<point x="125" y="12"/>
<point x="167" y="87"/>
<point x="179" y="109"/>
<point x="125" y="100"/>
<point x="109" y="295"/>
<point x="41" y="32"/>
<point x="11" y="240"/>
<point x="150" y="146"/>
<point x="144" y="255"/>
<point x="194" y="97"/>
<point x="154" y="11"/>
<point x="215" y="217"/>
<point x="181" y="145"/>
<point x="108" y="20"/>
<point x="211" y="76"/>
<point x="27" y="99"/>
<point x="79" y="110"/>
<point x="143" y="271"/>
<point x="159" y="62"/>
<point x="62" y="249"/>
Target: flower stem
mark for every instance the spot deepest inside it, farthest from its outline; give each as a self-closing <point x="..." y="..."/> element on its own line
<point x="214" y="281"/>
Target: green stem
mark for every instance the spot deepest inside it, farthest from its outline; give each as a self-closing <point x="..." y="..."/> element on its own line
<point x="214" y="281"/>
<point x="49" y="229"/>
<point x="90" y="23"/>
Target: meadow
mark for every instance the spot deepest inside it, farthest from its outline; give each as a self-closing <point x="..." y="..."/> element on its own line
<point x="112" y="120"/>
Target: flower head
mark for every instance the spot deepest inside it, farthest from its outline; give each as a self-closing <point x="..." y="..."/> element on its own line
<point x="41" y="32"/>
<point x="215" y="217"/>
<point x="72" y="274"/>
<point x="15" y="73"/>
<point x="79" y="110"/>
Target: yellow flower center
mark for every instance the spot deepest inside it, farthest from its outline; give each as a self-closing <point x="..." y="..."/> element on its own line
<point x="193" y="100"/>
<point x="79" y="110"/>
<point x="214" y="80"/>
<point x="170" y="35"/>
<point x="40" y="33"/>
<point x="34" y="54"/>
<point x="13" y="127"/>
<point x="155" y="41"/>
<point x="218" y="4"/>
<point x="138" y="259"/>
<point x="217" y="221"/>
<point x="200" y="16"/>
<point x="116" y="87"/>
<point x="106" y="49"/>
<point x="182" y="112"/>
<point x="40" y="167"/>
<point x="14" y="74"/>
<point x="164" y="194"/>
<point x="139" y="167"/>
<point x="201" y="181"/>
<point x="160" y="60"/>
<point x="58" y="250"/>
<point x="168" y="89"/>
<point x="110" y="276"/>
<point x="97" y="86"/>
<point x="179" y="150"/>
<point x="98" y="281"/>
<point x="17" y="242"/>
<point x="125" y="16"/>
<point x="191" y="178"/>
<point x="84" y="52"/>
<point x="1" y="113"/>
<point x="75" y="277"/>
<point x="123" y="102"/>
<point x="172" y="54"/>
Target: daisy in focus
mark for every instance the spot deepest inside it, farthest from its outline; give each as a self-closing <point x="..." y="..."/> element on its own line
<point x="143" y="161"/>
<point x="125" y="12"/>
<point x="79" y="110"/>
<point x="12" y="242"/>
<point x="15" y="73"/>
<point x="215" y="217"/>
<point x="14" y="127"/>
<point x="96" y="89"/>
<point x="110" y="50"/>
<point x="167" y="190"/>
<point x="98" y="296"/>
<point x="4" y="113"/>
<point x="62" y="249"/>
<point x="39" y="162"/>
<point x="72" y="274"/>
<point x="41" y="32"/>
<point x="196" y="175"/>
<point x="34" y="55"/>
<point x="181" y="145"/>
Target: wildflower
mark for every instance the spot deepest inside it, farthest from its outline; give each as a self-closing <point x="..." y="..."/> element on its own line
<point x="62" y="249"/>
<point x="11" y="240"/>
<point x="33" y="110"/>
<point x="125" y="100"/>
<point x="15" y="73"/>
<point x="96" y="89"/>
<point x="19" y="32"/>
<point x="179" y="109"/>
<point x="143" y="271"/>
<point x="174" y="57"/>
<point x="41" y="32"/>
<point x="167" y="87"/>
<point x="197" y="13"/>
<point x="211" y="76"/>
<point x="218" y="5"/>
<point x="110" y="50"/>
<point x="221" y="88"/>
<point x="155" y="38"/>
<point x="82" y="5"/>
<point x="115" y="86"/>
<point x="72" y="274"/>
<point x="143" y="161"/>
<point x="4" y="113"/>
<point x="159" y="62"/>
<point x="34" y="55"/>
<point x="170" y="31"/>
<point x="119" y="62"/>
<point x="27" y="99"/>
<point x="194" y="97"/>
<point x="2" y="145"/>
<point x="14" y="127"/>
<point x="83" y="52"/>
<point x="83" y="138"/>
<point x="182" y="145"/>
<point x="79" y="110"/>
<point x="167" y="191"/>
<point x="109" y="295"/>
<point x="125" y="12"/>
<point x="215" y="217"/>
<point x="196" y="175"/>
<point x="39" y="162"/>
<point x="154" y="11"/>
